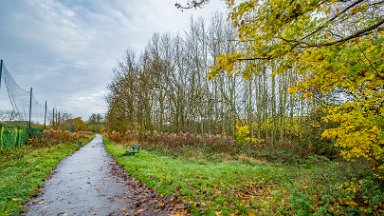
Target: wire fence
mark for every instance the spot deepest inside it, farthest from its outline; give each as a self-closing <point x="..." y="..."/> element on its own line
<point x="26" y="117"/>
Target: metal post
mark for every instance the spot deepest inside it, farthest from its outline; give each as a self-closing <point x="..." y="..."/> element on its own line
<point x="18" y="143"/>
<point x="30" y="109"/>
<point x="1" y="70"/>
<point x="1" y="135"/>
<point x="45" y="114"/>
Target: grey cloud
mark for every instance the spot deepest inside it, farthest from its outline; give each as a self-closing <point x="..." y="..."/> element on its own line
<point x="66" y="49"/>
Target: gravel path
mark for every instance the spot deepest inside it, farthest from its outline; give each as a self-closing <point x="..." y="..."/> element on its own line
<point x="89" y="182"/>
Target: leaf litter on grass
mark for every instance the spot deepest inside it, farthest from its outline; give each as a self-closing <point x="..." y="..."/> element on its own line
<point x="142" y="200"/>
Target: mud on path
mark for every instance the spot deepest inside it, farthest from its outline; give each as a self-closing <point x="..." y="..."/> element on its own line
<point x="89" y="182"/>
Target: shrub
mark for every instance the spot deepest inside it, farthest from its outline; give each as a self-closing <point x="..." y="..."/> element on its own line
<point x="52" y="137"/>
<point x="209" y="146"/>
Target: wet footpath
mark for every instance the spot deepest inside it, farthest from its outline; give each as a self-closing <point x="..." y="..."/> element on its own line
<point x="89" y="182"/>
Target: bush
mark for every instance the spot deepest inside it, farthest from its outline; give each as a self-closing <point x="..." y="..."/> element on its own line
<point x="52" y="137"/>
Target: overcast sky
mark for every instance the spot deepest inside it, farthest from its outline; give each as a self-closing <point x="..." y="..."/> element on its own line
<point x="66" y="49"/>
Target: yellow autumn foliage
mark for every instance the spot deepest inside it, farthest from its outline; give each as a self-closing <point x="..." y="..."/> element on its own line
<point x="306" y="36"/>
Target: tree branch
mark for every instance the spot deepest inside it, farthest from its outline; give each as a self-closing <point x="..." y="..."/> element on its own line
<point x="357" y="34"/>
<point x="255" y="58"/>
<point x="332" y="18"/>
<point x="191" y="4"/>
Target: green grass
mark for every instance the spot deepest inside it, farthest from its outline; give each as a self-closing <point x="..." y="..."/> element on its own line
<point x="23" y="170"/>
<point x="248" y="186"/>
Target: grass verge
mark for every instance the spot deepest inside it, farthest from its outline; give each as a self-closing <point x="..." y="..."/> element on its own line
<point x="251" y="187"/>
<point x="24" y="170"/>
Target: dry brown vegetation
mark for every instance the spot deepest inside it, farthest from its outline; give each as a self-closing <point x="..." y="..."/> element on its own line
<point x="211" y="146"/>
<point x="52" y="137"/>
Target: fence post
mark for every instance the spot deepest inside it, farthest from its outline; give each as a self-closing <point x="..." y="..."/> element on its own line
<point x="30" y="110"/>
<point x="14" y="135"/>
<point x="45" y="114"/>
<point x="1" y="70"/>
<point x="18" y="144"/>
<point x="1" y="135"/>
<point x="53" y="117"/>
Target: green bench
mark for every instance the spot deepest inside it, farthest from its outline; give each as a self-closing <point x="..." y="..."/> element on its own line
<point x="133" y="150"/>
